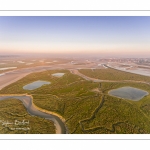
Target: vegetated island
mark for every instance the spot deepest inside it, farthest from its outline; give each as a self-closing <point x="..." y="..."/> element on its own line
<point x="85" y="105"/>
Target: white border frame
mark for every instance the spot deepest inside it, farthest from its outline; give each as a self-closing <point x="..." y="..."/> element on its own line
<point x="75" y="136"/>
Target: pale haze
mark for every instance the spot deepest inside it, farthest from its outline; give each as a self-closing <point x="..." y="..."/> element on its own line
<point x="103" y="36"/>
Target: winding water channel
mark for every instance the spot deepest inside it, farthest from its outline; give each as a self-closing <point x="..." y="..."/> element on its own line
<point x="27" y="100"/>
<point x="34" y="110"/>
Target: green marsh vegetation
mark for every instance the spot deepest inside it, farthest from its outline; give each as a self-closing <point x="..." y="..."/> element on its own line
<point x="87" y="110"/>
<point x="12" y="110"/>
<point x="112" y="74"/>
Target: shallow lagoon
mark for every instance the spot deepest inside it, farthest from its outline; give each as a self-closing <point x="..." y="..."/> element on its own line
<point x="128" y="93"/>
<point x="2" y="74"/>
<point x="8" y="68"/>
<point x="35" y="85"/>
<point x="58" y="74"/>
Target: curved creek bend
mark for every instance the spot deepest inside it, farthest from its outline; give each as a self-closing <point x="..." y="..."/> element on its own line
<point x="35" y="111"/>
<point x="27" y="100"/>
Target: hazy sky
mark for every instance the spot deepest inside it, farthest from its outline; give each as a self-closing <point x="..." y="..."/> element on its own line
<point x="116" y="36"/>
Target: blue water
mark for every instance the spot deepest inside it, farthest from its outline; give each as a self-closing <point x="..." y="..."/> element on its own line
<point x="58" y="74"/>
<point x="128" y="93"/>
<point x="35" y="85"/>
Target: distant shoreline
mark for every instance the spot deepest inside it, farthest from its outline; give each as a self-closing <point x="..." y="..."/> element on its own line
<point x="128" y="71"/>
